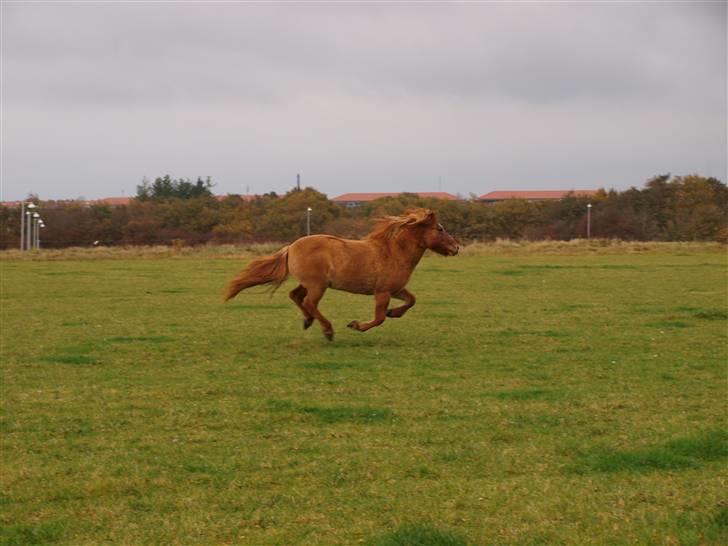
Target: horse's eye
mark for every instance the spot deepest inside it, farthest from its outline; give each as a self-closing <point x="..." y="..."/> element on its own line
<point x="440" y="228"/>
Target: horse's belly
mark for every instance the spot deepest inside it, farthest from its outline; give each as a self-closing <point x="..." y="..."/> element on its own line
<point x="360" y="285"/>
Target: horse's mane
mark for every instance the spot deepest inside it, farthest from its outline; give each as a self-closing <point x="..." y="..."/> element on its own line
<point x="390" y="226"/>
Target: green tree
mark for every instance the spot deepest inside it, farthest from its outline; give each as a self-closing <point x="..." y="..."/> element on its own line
<point x="167" y="188"/>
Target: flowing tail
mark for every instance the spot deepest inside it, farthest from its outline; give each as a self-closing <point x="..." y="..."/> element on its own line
<point x="267" y="270"/>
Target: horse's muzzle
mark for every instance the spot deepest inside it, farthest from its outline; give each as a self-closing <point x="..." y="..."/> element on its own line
<point x="455" y="251"/>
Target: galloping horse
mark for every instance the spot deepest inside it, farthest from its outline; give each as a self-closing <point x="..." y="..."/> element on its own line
<point x="380" y="264"/>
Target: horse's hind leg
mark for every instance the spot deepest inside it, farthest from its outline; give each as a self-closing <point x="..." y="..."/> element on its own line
<point x="380" y="313"/>
<point x="310" y="306"/>
<point x="297" y="295"/>
<point x="409" y="300"/>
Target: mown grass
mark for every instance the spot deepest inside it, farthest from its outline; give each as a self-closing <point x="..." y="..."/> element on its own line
<point x="688" y="452"/>
<point x="580" y="400"/>
<point x="420" y="534"/>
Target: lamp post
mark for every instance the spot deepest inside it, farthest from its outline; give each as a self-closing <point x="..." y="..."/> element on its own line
<point x="22" y="223"/>
<point x="588" y="220"/>
<point x="308" y="220"/>
<point x="28" y="228"/>
<point x="34" y="230"/>
<point x="41" y="225"/>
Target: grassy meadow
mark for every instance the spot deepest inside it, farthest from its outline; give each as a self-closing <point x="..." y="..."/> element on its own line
<point x="534" y="395"/>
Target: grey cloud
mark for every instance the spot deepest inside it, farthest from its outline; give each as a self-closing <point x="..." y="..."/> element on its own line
<point x="363" y="95"/>
<point x="131" y="53"/>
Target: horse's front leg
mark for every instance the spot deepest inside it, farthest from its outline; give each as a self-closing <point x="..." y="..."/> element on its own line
<point x="381" y="300"/>
<point x="409" y="300"/>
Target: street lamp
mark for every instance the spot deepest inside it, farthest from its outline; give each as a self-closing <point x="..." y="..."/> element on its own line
<point x="34" y="230"/>
<point x="588" y="220"/>
<point x="308" y="220"/>
<point x="22" y="223"/>
<point x="41" y="225"/>
<point x="28" y="228"/>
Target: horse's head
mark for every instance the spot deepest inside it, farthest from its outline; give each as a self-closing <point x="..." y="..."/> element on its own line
<point x="419" y="226"/>
<point x="434" y="236"/>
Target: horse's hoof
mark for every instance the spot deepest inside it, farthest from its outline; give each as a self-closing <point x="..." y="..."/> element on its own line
<point x="307" y="323"/>
<point x="329" y="335"/>
<point x="354" y="325"/>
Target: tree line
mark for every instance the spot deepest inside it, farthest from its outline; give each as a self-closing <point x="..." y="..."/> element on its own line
<point x="180" y="212"/>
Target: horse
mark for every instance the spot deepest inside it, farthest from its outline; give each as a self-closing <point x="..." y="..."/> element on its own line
<point x="378" y="265"/>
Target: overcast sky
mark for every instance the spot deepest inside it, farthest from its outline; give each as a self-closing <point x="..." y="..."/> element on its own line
<point x="466" y="97"/>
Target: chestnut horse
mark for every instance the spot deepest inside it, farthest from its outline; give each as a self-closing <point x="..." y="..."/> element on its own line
<point x="380" y="264"/>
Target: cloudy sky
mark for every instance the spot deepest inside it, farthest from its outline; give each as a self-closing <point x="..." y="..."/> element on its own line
<point x="458" y="97"/>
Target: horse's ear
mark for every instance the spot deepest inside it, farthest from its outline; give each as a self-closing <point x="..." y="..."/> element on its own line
<point x="430" y="218"/>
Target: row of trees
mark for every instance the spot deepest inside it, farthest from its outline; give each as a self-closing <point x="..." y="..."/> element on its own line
<point x="684" y="208"/>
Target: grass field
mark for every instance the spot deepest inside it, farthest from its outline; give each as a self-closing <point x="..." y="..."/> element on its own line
<point x="528" y="398"/>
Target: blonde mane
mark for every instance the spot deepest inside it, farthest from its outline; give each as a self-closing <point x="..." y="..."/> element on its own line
<point x="390" y="226"/>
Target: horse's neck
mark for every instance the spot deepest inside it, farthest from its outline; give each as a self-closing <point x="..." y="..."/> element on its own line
<point x="407" y="252"/>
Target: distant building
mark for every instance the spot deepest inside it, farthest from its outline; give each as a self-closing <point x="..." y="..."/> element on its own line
<point x="357" y="199"/>
<point x="534" y="195"/>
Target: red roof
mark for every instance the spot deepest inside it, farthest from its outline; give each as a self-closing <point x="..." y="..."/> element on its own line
<point x="349" y="197"/>
<point x="535" y="194"/>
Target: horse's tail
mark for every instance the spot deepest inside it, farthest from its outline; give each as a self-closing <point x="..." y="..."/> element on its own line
<point x="267" y="270"/>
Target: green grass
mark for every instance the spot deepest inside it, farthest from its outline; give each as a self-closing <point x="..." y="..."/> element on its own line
<point x="688" y="452"/>
<point x="534" y="395"/>
<point x="40" y="534"/>
<point x="421" y="534"/>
